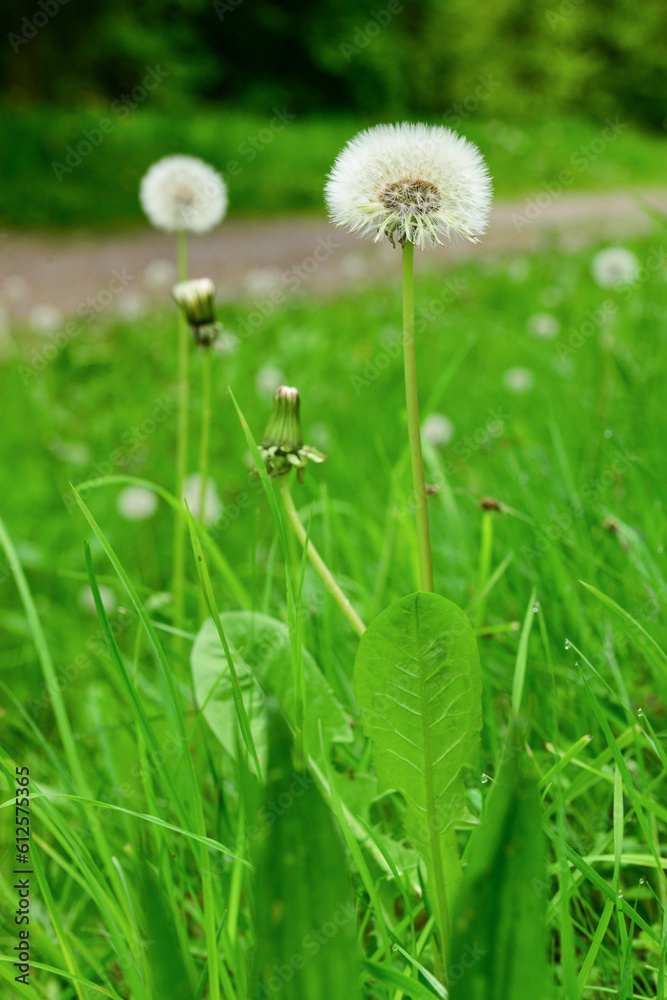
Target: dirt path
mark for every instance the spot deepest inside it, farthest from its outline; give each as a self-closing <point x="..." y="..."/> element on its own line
<point x="260" y="258"/>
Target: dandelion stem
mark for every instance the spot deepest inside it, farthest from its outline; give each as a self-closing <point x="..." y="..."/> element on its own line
<point x="414" y="430"/>
<point x="323" y="570"/>
<point x="204" y="446"/>
<point x="205" y="430"/>
<point x="183" y="392"/>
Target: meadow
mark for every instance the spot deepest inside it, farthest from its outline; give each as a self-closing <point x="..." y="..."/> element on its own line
<point x="547" y="525"/>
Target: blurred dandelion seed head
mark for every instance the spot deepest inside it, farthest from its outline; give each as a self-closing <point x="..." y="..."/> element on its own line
<point x="518" y="379"/>
<point x="183" y="193"/>
<point x="544" y="325"/>
<point x="212" y="503"/>
<point x="136" y="503"/>
<point x="614" y="267"/>
<point x="438" y="430"/>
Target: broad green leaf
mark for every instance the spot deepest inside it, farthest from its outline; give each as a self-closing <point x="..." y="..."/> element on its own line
<point x="499" y="946"/>
<point x="260" y="648"/>
<point x="419" y="687"/>
<point x="304" y="905"/>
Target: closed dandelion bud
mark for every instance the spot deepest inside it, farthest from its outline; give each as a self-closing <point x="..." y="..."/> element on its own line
<point x="195" y="298"/>
<point x="282" y="445"/>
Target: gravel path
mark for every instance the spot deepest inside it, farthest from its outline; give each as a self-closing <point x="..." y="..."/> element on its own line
<point x="43" y="277"/>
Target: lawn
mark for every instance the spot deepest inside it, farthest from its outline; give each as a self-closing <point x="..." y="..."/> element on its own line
<point x="554" y="388"/>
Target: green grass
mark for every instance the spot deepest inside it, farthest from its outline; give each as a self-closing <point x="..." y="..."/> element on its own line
<point x="274" y="164"/>
<point x="577" y="465"/>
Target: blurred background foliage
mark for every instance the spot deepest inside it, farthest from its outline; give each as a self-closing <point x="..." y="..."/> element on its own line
<point x="393" y="57"/>
<point x="224" y="66"/>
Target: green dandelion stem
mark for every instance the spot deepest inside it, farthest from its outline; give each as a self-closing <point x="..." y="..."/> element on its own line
<point x="183" y="394"/>
<point x="205" y="430"/>
<point x="414" y="430"/>
<point x="204" y="439"/>
<point x="318" y="562"/>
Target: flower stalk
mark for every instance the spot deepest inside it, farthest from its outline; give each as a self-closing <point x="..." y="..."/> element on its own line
<point x="414" y="427"/>
<point x="282" y="449"/>
<point x="183" y="394"/>
<point x="317" y="561"/>
<point x="205" y="433"/>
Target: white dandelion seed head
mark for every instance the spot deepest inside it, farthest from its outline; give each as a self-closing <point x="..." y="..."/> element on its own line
<point x="518" y="379"/>
<point x="45" y="318"/>
<point x="614" y="267"/>
<point x="183" y="193"/>
<point x="544" y="325"/>
<point x="414" y="183"/>
<point x="212" y="501"/>
<point x="267" y="380"/>
<point x="438" y="430"/>
<point x="159" y="274"/>
<point x="75" y="452"/>
<point x="130" y="306"/>
<point x="518" y="270"/>
<point x="87" y="601"/>
<point x="136" y="503"/>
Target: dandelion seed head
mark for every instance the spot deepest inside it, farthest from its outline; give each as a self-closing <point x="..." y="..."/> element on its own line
<point x="411" y="183"/>
<point x="87" y="601"/>
<point x="267" y="380"/>
<point x="45" y="318"/>
<point x="614" y="267"/>
<point x="544" y="325"/>
<point x="136" y="503"/>
<point x="183" y="193"/>
<point x="518" y="379"/>
<point x="212" y="502"/>
<point x="438" y="429"/>
<point x="159" y="274"/>
<point x="130" y="306"/>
